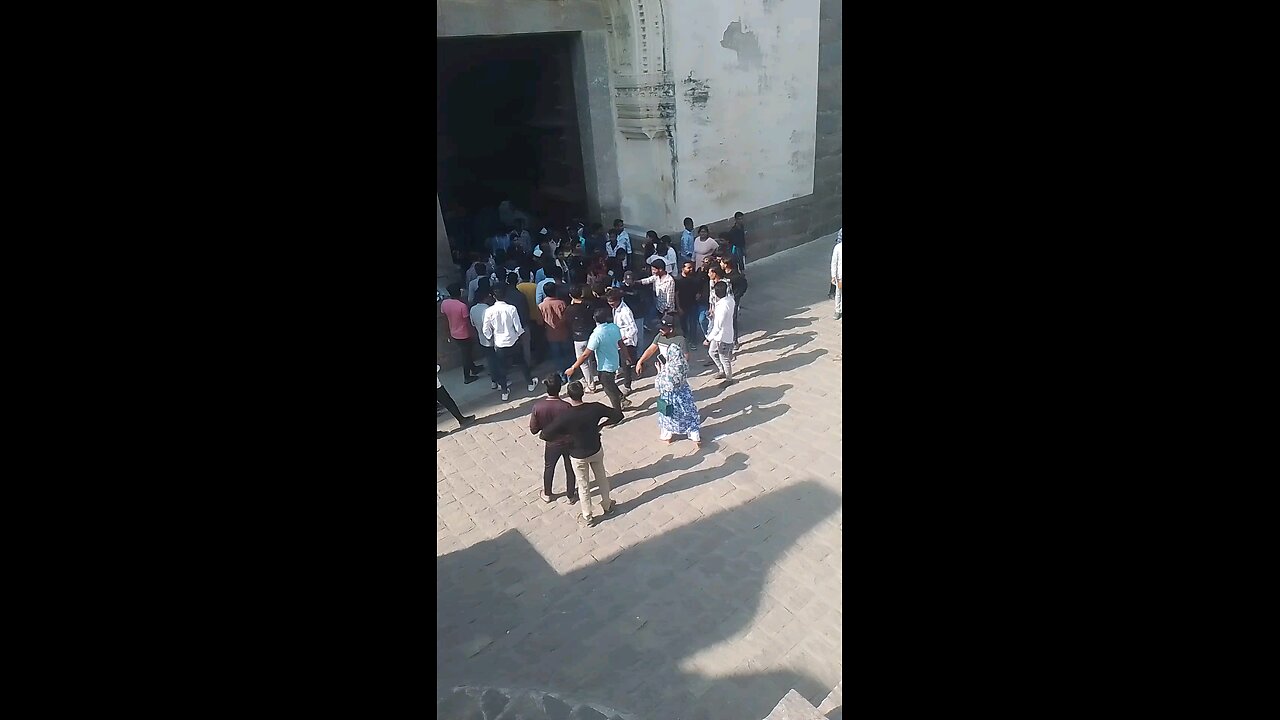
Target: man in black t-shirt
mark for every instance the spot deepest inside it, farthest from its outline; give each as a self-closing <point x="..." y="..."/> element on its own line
<point x="578" y="314"/>
<point x="581" y="423"/>
<point x="738" y="238"/>
<point x="738" y="285"/>
<point x="641" y="301"/>
<point x="691" y="303"/>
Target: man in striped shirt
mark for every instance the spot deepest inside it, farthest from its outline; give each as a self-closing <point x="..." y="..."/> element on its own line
<point x="664" y="287"/>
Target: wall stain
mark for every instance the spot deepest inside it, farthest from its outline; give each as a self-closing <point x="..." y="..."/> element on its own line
<point x="698" y="93"/>
<point x="743" y="43"/>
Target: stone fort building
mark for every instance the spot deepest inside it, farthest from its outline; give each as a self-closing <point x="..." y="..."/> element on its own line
<point x="647" y="110"/>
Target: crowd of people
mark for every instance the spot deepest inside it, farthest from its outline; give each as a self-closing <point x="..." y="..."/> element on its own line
<point x="587" y="302"/>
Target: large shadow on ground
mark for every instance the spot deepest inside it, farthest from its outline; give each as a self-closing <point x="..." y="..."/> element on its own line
<point x="616" y="631"/>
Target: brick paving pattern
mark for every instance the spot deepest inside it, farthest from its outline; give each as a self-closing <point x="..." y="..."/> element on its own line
<point x="715" y="585"/>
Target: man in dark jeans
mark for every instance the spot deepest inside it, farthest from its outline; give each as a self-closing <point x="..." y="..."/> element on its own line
<point x="691" y="303"/>
<point x="738" y="285"/>
<point x="444" y="398"/>
<point x="502" y="328"/>
<point x="738" y="240"/>
<point x="545" y="411"/>
<point x="606" y="346"/>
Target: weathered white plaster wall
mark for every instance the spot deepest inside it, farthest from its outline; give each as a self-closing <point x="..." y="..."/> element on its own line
<point x="648" y="197"/>
<point x="746" y="74"/>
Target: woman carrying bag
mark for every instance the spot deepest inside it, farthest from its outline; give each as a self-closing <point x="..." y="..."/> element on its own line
<point x="677" y="415"/>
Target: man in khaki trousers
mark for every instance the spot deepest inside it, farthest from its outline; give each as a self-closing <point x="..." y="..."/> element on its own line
<point x="582" y="424"/>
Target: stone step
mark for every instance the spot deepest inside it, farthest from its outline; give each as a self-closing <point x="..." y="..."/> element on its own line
<point x="793" y="706"/>
<point x="832" y="706"/>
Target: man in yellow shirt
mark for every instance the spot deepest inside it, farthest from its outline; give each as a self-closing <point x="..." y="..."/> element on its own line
<point x="536" y="341"/>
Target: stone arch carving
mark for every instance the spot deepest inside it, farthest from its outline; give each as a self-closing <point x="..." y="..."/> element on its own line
<point x="644" y="91"/>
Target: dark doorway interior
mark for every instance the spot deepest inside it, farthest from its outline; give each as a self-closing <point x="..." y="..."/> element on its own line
<point x="507" y="130"/>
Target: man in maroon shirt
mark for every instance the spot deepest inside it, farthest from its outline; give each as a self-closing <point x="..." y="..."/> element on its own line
<point x="544" y="412"/>
<point x="553" y="318"/>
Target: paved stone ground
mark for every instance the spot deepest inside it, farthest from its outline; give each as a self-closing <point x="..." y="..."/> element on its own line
<point x="715" y="587"/>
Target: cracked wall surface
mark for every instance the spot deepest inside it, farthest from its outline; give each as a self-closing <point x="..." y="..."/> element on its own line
<point x="746" y="103"/>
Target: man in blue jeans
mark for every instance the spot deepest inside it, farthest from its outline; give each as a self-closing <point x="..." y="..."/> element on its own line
<point x="554" y="319"/>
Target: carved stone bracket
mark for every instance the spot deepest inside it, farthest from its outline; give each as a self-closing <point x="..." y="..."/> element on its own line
<point x="646" y="105"/>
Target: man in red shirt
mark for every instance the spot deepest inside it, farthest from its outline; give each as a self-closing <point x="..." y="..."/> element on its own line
<point x="544" y="412"/>
<point x="461" y="333"/>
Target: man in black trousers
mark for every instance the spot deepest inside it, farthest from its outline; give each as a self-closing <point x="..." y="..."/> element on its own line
<point x="545" y="411"/>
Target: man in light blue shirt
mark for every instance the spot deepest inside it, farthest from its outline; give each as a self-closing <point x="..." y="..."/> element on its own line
<point x="551" y="276"/>
<point x="624" y="239"/>
<point x="686" y="240"/>
<point x="604" y="344"/>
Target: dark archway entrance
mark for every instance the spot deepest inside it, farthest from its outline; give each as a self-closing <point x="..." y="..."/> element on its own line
<point x="507" y="130"/>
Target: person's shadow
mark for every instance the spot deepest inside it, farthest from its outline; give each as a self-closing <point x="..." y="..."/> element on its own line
<point x="786" y="363"/>
<point x="744" y="398"/>
<point x="668" y="463"/>
<point x="743" y="420"/>
<point x="731" y="465"/>
<point x="791" y="343"/>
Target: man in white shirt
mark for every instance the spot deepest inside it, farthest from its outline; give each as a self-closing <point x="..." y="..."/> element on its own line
<point x="477" y="321"/>
<point x="836" y="273"/>
<point x="626" y="322"/>
<point x="714" y="275"/>
<point x="663" y="252"/>
<point x="503" y="329"/>
<point x="664" y="286"/>
<point x="719" y="340"/>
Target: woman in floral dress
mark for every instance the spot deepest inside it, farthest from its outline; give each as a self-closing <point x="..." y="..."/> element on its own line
<point x="681" y="417"/>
